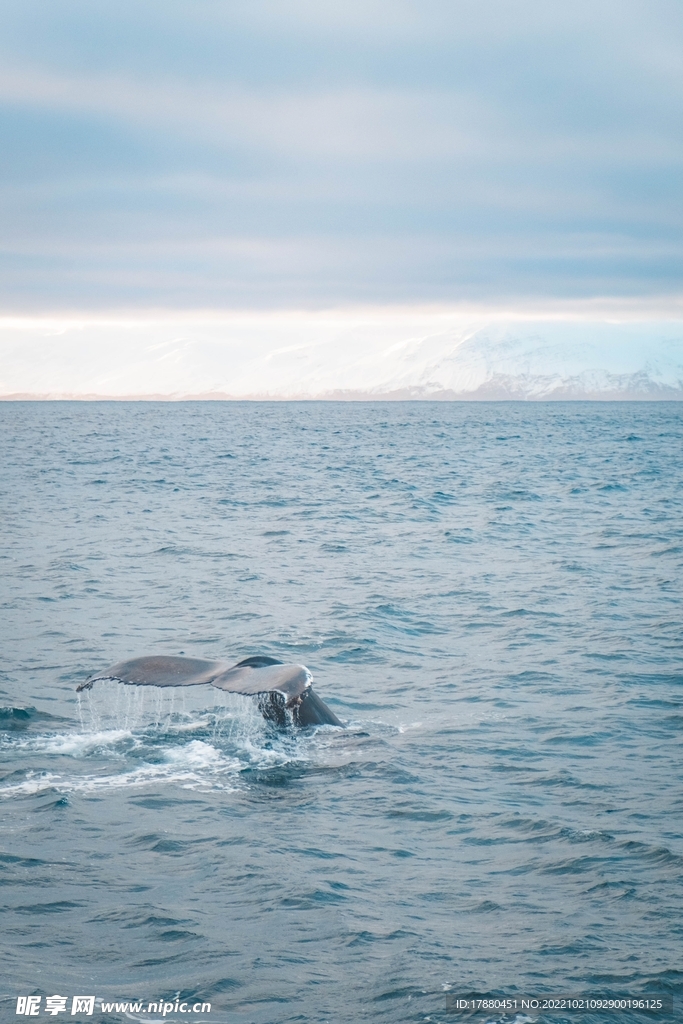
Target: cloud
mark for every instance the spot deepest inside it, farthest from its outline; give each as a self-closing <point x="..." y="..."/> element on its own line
<point x="384" y="125"/>
<point x="294" y="153"/>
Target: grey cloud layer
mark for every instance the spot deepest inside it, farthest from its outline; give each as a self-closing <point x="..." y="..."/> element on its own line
<point x="287" y="153"/>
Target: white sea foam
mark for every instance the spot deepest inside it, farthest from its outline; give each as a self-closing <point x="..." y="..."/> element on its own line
<point x="136" y="737"/>
<point x="408" y="727"/>
<point x="79" y="744"/>
<point x="197" y="765"/>
<point x="196" y="753"/>
<point x="33" y="783"/>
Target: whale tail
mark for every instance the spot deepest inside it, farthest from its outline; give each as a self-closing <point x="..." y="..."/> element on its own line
<point x="279" y="688"/>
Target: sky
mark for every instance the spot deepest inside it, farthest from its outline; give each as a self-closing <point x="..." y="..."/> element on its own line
<point x="219" y="155"/>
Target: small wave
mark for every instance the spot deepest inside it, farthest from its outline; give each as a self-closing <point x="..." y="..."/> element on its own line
<point x="32" y="784"/>
<point x="9" y="716"/>
<point x="649" y="852"/>
<point x="16" y="719"/>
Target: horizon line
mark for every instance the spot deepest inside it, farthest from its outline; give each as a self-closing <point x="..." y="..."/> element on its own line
<point x="602" y="308"/>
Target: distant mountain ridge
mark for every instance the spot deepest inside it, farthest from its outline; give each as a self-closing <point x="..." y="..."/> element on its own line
<point x="502" y="388"/>
<point x="345" y="357"/>
<point x="544" y="362"/>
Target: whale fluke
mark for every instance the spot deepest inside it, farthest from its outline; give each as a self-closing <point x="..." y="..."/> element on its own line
<point x="279" y="687"/>
<point x="160" y="671"/>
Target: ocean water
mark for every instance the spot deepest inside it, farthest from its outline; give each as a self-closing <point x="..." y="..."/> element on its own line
<point x="489" y="597"/>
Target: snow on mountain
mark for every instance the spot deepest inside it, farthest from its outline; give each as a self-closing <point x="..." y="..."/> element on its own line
<point x="547" y="360"/>
<point x="381" y="354"/>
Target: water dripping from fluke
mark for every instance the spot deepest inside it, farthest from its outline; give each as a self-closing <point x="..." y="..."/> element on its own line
<point x="284" y="692"/>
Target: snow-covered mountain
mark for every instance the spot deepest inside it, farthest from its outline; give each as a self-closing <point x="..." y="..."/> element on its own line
<point x="393" y="354"/>
<point x="542" y="361"/>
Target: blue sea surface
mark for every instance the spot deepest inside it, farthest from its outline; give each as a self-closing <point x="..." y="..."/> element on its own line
<point x="488" y="595"/>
